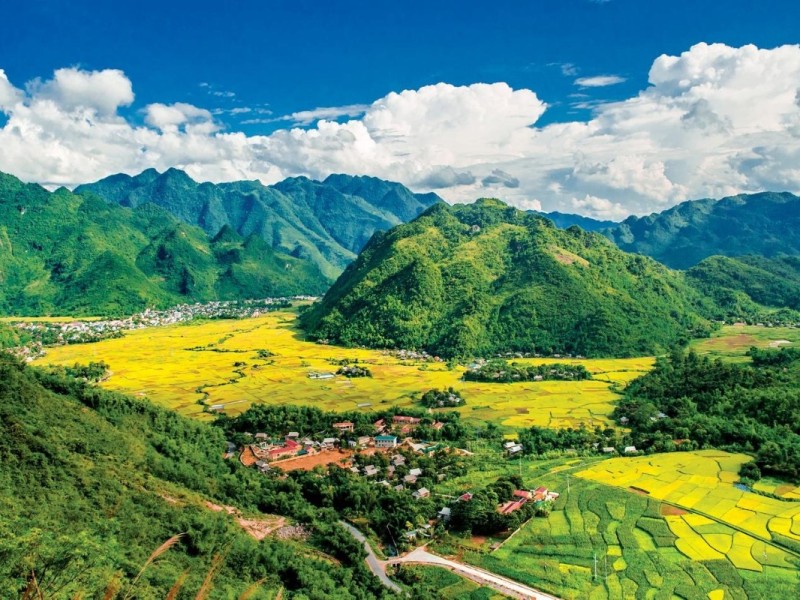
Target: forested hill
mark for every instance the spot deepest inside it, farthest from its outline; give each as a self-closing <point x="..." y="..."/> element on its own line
<point x="66" y="253"/>
<point x="484" y="278"/>
<point x="93" y="482"/>
<point x="766" y="224"/>
<point x="325" y="222"/>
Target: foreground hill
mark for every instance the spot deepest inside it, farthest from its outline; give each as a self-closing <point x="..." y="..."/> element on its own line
<point x="326" y="222"/>
<point x="485" y="278"/>
<point x="766" y="224"/>
<point x="76" y="254"/>
<point x="86" y="497"/>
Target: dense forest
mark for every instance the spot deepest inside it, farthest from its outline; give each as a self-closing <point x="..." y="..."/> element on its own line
<point x="86" y="497"/>
<point x="485" y="278"/>
<point x="743" y="407"/>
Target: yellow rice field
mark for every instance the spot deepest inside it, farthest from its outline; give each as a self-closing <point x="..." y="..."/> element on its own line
<point x="702" y="482"/>
<point x="170" y="364"/>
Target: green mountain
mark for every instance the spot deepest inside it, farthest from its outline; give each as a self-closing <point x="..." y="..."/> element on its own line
<point x="485" y="278"/>
<point x="567" y="220"/>
<point x="92" y="482"/>
<point x="325" y="222"/>
<point x="766" y="224"/>
<point x="76" y="254"/>
<point x="743" y="286"/>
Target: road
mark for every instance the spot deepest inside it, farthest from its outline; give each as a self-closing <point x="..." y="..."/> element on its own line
<point x="503" y="585"/>
<point x="377" y="567"/>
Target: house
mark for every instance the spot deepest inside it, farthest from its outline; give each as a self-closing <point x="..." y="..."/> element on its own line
<point x="437" y="425"/>
<point x="540" y="494"/>
<point x="363" y="441"/>
<point x="343" y="426"/>
<point x="355" y="469"/>
<point x="399" y="487"/>
<point x="410" y="479"/>
<point x="329" y="442"/>
<point x="508" y="445"/>
<point x="398" y="460"/>
<point x="624" y="420"/>
<point x="445" y="513"/>
<point x="370" y="470"/>
<point x="609" y="450"/>
<point x="630" y="450"/>
<point x="515" y="449"/>
<point x="290" y="448"/>
<point x="421" y="493"/>
<point x="321" y="375"/>
<point x="524" y="494"/>
<point x="415" y="472"/>
<point x="262" y="466"/>
<point x="465" y="497"/>
<point x="262" y="437"/>
<point x="293" y="435"/>
<point x="379" y="425"/>
<point x="405" y="421"/>
<point x="510" y="506"/>
<point x="386" y="441"/>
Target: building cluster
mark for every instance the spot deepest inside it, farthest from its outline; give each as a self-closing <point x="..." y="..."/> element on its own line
<point x="43" y="334"/>
<point x="521" y="497"/>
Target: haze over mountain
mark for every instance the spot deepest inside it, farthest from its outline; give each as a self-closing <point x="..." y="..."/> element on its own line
<point x="767" y="224"/>
<point x="76" y="254"/>
<point x="484" y="278"/>
<point x="325" y="222"/>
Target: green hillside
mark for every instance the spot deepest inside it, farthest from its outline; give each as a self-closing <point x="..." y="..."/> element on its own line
<point x="326" y="222"/>
<point x="766" y="224"/>
<point x="485" y="278"/>
<point x="749" y="286"/>
<point x="93" y="482"/>
<point x="65" y="253"/>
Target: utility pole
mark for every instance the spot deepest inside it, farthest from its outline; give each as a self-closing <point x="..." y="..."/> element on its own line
<point x="605" y="566"/>
<point x="595" y="566"/>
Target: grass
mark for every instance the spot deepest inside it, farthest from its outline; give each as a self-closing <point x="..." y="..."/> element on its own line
<point x="176" y="366"/>
<point x="449" y="586"/>
<point x="732" y="342"/>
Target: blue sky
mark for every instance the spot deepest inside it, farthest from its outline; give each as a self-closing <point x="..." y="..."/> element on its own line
<point x="581" y="113"/>
<point x="293" y="55"/>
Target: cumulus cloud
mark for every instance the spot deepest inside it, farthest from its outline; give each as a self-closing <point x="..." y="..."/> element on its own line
<point x="599" y="81"/>
<point x="713" y="121"/>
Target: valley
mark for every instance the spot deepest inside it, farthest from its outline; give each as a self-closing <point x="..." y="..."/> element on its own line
<point x="192" y="367"/>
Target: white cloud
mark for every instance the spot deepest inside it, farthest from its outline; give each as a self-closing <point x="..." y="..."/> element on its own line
<point x="713" y="121"/>
<point x="599" y="80"/>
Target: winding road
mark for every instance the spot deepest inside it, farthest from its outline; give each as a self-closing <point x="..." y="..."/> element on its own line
<point x="421" y="556"/>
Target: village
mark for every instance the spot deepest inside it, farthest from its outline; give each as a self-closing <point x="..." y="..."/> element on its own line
<point x="41" y="334"/>
<point x="391" y="457"/>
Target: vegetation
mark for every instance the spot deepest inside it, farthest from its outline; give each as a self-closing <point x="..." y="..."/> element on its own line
<point x="749" y="407"/>
<point x="86" y="497"/>
<point x="482" y="279"/>
<point x="442" y="398"/>
<point x="765" y="224"/>
<point x="351" y="371"/>
<point x="324" y="223"/>
<point x="63" y="253"/>
<point x="499" y="371"/>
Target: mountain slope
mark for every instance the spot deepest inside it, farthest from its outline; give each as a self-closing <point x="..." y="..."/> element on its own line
<point x="77" y="254"/>
<point x="484" y="278"/>
<point x="567" y="220"/>
<point x="680" y="237"/>
<point x="92" y="482"/>
<point x="327" y="223"/>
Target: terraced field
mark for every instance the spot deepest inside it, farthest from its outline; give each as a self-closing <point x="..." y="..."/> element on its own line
<point x="703" y="482"/>
<point x="733" y="341"/>
<point x="217" y="362"/>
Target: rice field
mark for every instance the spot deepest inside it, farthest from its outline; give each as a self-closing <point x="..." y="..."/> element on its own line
<point x="703" y="482"/>
<point x="217" y="363"/>
<point x="732" y="342"/>
<point x="602" y="542"/>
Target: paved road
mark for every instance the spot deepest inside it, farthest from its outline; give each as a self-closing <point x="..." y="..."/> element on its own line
<point x="501" y="584"/>
<point x="377" y="567"/>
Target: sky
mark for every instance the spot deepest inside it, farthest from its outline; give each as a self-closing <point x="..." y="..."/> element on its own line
<point x="604" y="108"/>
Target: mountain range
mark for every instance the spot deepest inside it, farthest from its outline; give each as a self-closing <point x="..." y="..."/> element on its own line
<point x="326" y="223"/>
<point x="474" y="280"/>
<point x="67" y="253"/>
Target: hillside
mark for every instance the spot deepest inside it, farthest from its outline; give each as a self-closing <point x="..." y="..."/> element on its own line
<point x="766" y="224"/>
<point x="325" y="222"/>
<point x="485" y="278"/>
<point x="567" y="220"/>
<point x="743" y="286"/>
<point x="86" y="497"/>
<point x="64" y="253"/>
